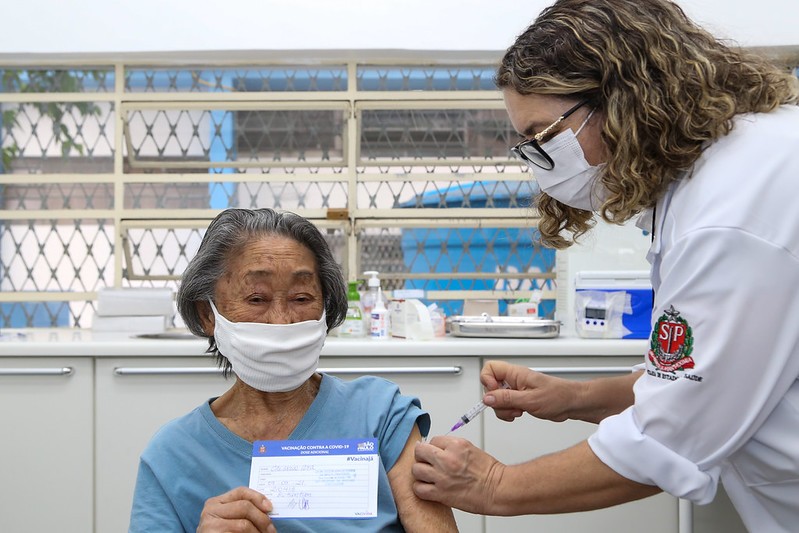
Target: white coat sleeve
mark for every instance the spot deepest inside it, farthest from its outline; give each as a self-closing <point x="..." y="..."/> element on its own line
<point x="737" y="299"/>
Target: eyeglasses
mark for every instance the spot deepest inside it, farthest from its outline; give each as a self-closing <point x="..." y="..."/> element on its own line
<point x="530" y="151"/>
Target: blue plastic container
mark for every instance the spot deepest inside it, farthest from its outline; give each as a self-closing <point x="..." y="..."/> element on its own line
<point x="636" y="321"/>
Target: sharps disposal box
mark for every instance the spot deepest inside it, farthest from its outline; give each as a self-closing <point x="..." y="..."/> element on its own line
<point x="613" y="304"/>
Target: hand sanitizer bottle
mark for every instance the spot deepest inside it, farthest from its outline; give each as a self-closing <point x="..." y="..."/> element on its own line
<point x="353" y="325"/>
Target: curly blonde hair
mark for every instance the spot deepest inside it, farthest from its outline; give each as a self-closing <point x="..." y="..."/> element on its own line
<point x="665" y="87"/>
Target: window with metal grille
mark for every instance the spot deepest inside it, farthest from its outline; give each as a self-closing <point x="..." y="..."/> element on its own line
<point x="111" y="173"/>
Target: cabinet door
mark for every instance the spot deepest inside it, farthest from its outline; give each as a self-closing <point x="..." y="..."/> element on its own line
<point x="446" y="387"/>
<point x="46" y="411"/>
<point x="719" y="516"/>
<point x="136" y="396"/>
<point x="527" y="438"/>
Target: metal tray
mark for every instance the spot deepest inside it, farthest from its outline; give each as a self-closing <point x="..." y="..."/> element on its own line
<point x="511" y="327"/>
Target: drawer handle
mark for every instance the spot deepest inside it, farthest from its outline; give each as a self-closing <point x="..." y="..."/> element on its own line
<point x="584" y="370"/>
<point x="206" y="370"/>
<point x="453" y="370"/>
<point x="167" y="371"/>
<point x="63" y="371"/>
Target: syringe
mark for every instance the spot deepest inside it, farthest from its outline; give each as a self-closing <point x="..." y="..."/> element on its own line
<point x="473" y="413"/>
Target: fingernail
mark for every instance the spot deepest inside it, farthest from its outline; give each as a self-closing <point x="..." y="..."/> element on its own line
<point x="268" y="505"/>
<point x="489" y="400"/>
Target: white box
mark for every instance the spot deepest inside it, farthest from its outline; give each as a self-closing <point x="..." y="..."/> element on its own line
<point x="410" y="319"/>
<point x="135" y="302"/>
<point x="528" y="309"/>
<point x="130" y="324"/>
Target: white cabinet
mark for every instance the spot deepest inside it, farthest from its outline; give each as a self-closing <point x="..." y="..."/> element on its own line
<point x="46" y="474"/>
<point x="528" y="437"/>
<point x="136" y="396"/>
<point x="719" y="516"/>
<point x="446" y="387"/>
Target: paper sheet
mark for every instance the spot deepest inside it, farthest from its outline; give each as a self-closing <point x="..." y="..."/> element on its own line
<point x="317" y="478"/>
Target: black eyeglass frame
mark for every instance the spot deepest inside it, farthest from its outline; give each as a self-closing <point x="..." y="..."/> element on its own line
<point x="518" y="150"/>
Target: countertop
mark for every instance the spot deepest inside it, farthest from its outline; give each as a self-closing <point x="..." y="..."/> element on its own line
<point x="59" y="342"/>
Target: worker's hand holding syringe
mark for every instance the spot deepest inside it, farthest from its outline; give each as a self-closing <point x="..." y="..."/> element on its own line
<point x="552" y="398"/>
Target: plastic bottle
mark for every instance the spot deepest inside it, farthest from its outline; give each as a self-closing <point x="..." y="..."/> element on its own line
<point x="378" y="325"/>
<point x="439" y="321"/>
<point x="354" y="325"/>
<point x="370" y="296"/>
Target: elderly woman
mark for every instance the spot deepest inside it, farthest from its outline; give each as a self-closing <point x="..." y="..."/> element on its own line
<point x="264" y="290"/>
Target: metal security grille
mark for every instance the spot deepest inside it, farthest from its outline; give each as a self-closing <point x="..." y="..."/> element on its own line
<point x="112" y="170"/>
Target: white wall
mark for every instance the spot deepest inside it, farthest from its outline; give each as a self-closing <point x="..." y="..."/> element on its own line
<point x="47" y="26"/>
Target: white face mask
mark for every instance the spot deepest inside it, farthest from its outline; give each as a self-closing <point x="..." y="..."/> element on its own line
<point x="271" y="357"/>
<point x="573" y="181"/>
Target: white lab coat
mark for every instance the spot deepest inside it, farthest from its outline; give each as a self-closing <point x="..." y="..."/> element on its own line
<point x="725" y="256"/>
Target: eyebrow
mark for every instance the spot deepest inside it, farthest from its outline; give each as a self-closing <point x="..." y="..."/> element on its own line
<point x="298" y="274"/>
<point x="530" y="130"/>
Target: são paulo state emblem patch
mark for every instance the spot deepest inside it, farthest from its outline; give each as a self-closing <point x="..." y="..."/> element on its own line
<point x="671" y="343"/>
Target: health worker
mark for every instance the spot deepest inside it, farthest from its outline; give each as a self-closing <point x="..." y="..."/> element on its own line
<point x="627" y="109"/>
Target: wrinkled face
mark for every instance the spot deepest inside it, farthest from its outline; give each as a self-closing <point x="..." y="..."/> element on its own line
<point x="531" y="113"/>
<point x="272" y="280"/>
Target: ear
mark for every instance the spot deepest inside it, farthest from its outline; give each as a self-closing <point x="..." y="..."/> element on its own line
<point x="206" y="315"/>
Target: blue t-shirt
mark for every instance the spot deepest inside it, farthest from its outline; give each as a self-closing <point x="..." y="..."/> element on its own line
<point x="196" y="457"/>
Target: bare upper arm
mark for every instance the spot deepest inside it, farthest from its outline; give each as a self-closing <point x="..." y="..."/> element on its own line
<point x="416" y="515"/>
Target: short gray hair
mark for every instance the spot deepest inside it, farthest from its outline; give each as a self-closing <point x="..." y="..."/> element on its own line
<point x="226" y="235"/>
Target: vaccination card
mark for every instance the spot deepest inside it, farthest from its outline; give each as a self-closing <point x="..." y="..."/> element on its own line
<point x="317" y="478"/>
